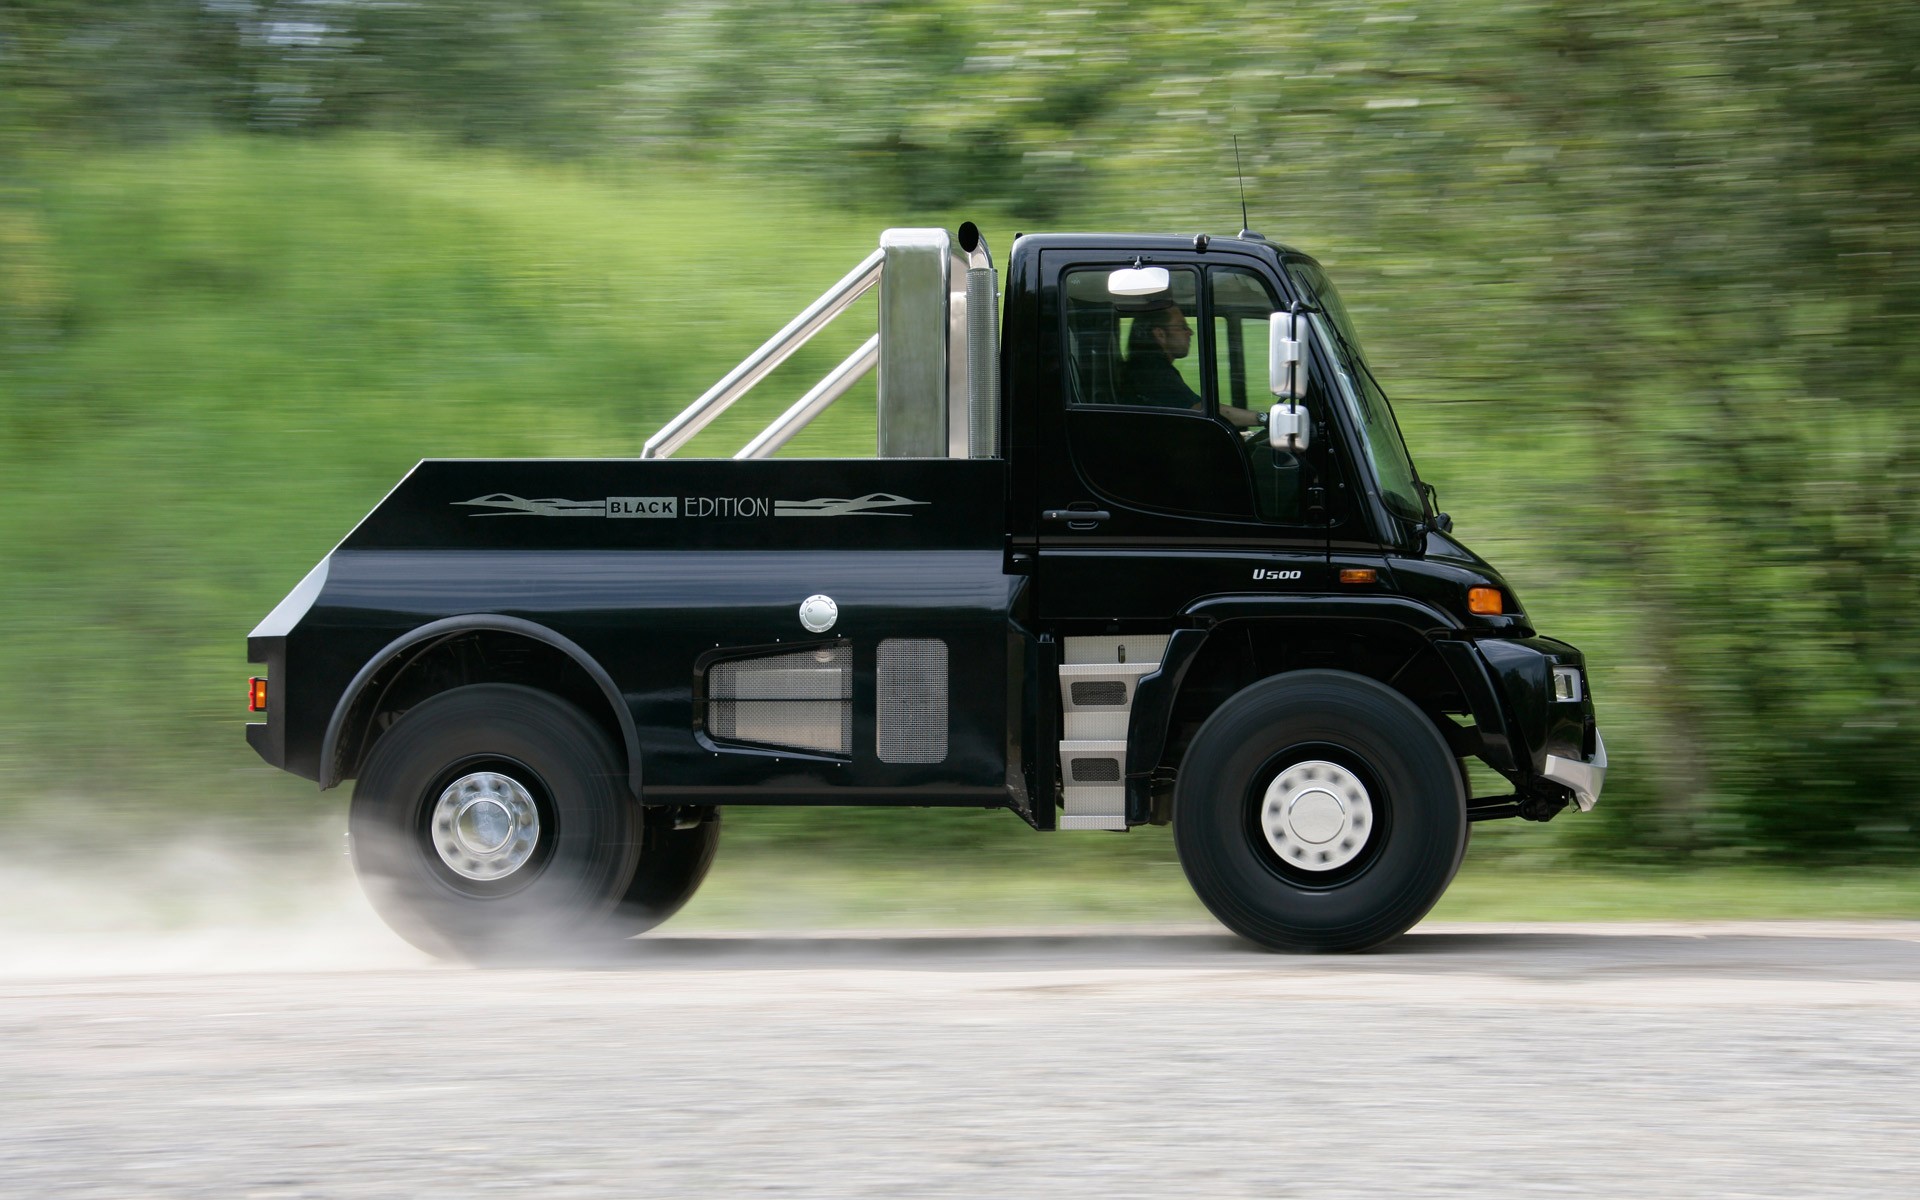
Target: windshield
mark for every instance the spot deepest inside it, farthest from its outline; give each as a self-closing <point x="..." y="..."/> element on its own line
<point x="1365" y="401"/>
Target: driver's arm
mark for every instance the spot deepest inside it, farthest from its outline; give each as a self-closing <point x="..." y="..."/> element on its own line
<point x="1242" y="418"/>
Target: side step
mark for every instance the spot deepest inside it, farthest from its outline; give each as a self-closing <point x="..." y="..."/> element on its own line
<point x="1097" y="685"/>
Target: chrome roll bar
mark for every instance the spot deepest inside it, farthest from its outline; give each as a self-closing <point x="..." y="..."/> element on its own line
<point x="756" y="366"/>
<point x="850" y="371"/>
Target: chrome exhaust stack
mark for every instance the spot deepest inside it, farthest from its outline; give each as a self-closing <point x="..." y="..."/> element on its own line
<point x="983" y="345"/>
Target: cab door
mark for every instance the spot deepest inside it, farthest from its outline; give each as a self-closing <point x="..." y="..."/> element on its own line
<point x="1155" y="482"/>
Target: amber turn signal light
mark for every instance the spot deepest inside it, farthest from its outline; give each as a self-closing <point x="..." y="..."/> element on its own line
<point x="1358" y="575"/>
<point x="256" y="695"/>
<point x="1484" y="600"/>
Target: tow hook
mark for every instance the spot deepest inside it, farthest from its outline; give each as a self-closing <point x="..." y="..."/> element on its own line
<point x="1539" y="802"/>
<point x="1542" y="803"/>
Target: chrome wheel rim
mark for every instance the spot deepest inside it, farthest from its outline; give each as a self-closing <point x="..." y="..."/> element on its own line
<point x="1316" y="815"/>
<point x="485" y="825"/>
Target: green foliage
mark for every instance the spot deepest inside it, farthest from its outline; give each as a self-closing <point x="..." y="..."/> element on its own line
<point x="245" y="342"/>
<point x="1643" y="281"/>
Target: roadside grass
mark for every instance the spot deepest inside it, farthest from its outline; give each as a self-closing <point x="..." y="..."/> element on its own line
<point x="93" y="867"/>
<point x="1493" y="893"/>
<point x="793" y="893"/>
<point x="782" y="868"/>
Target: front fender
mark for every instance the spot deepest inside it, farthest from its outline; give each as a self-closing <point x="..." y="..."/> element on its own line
<point x="1417" y="615"/>
<point x="1540" y="726"/>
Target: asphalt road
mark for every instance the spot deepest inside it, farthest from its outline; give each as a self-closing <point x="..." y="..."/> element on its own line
<point x="1590" y="1060"/>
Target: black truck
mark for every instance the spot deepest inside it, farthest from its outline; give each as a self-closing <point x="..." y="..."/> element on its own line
<point x="1151" y="550"/>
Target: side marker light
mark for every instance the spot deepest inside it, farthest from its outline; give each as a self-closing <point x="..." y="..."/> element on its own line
<point x="1358" y="575"/>
<point x="1484" y="600"/>
<point x="256" y="695"/>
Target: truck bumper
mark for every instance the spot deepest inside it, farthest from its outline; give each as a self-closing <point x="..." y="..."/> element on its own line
<point x="262" y="744"/>
<point x="1583" y="779"/>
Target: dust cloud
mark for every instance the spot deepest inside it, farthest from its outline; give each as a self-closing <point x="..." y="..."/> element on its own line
<point x="77" y="902"/>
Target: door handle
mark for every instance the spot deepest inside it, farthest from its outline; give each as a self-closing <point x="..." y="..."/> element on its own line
<point x="1077" y="518"/>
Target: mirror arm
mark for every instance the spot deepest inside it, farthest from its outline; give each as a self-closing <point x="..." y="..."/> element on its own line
<point x="1435" y="518"/>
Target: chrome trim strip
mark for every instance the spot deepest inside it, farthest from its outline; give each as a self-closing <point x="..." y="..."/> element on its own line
<point x="1584" y="778"/>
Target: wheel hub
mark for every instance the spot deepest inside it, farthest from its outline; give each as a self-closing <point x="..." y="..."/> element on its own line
<point x="485" y="825"/>
<point x="1316" y="815"/>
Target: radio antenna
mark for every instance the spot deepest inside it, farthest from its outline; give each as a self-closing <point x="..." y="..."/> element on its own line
<point x="1242" y="177"/>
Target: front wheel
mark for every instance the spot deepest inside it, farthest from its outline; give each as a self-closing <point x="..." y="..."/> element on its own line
<point x="1319" y="811"/>
<point x="495" y="820"/>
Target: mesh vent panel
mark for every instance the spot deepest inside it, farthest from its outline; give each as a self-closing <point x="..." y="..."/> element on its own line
<point x="910" y="710"/>
<point x="1096" y="770"/>
<point x="803" y="700"/>
<point x="1100" y="691"/>
<point x="825" y="673"/>
<point x="825" y="725"/>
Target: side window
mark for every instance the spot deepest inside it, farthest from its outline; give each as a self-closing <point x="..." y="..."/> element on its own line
<point x="1241" y="306"/>
<point x="1138" y="351"/>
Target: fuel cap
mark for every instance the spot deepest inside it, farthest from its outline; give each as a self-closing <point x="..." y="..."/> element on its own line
<point x="818" y="613"/>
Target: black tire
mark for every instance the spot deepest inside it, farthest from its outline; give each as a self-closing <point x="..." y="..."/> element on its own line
<point x="581" y="860"/>
<point x="1416" y="838"/>
<point x="673" y="862"/>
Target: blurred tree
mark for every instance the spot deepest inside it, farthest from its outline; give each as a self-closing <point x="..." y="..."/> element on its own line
<point x="1682" y="237"/>
<point x="536" y="75"/>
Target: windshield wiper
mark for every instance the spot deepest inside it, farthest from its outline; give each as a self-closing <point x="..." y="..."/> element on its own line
<point x="1354" y="356"/>
<point x="1430" y="518"/>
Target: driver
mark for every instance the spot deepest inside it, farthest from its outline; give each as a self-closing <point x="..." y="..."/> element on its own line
<point x="1159" y="338"/>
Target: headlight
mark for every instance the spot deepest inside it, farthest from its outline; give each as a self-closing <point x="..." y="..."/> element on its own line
<point x="1566" y="684"/>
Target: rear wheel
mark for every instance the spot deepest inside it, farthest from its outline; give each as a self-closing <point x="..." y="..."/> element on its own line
<point x="673" y="862"/>
<point x="495" y="819"/>
<point x="1319" y="811"/>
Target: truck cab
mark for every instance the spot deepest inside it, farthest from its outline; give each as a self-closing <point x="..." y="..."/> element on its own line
<point x="1150" y="549"/>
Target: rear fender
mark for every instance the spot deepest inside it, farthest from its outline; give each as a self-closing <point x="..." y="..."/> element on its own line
<point x="333" y="769"/>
